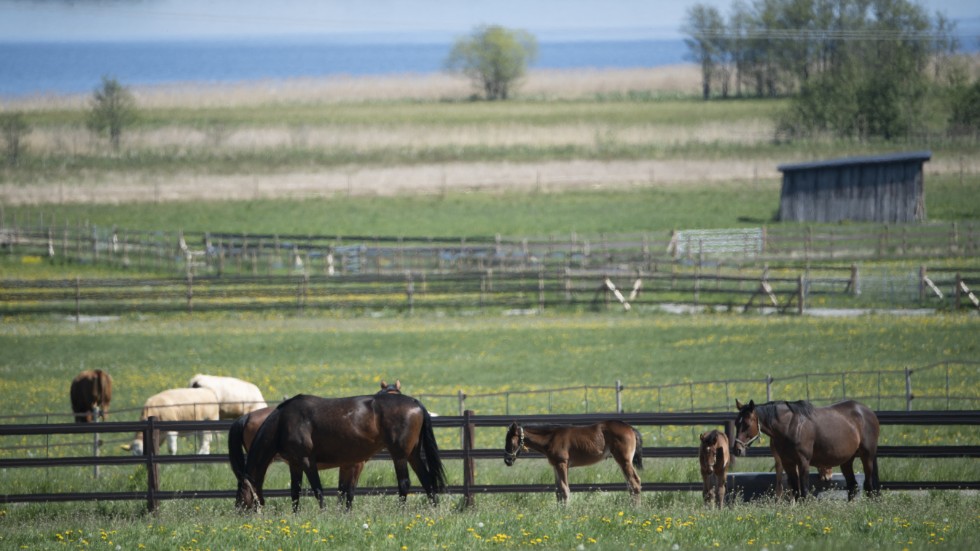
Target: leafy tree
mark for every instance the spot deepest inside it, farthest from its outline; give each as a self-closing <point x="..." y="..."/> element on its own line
<point x="965" y="115"/>
<point x="113" y="108"/>
<point x="14" y="128"/>
<point x="706" y="29"/>
<point x="494" y="58"/>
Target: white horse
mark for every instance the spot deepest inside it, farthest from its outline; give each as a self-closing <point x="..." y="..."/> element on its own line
<point x="180" y="404"/>
<point x="235" y="396"/>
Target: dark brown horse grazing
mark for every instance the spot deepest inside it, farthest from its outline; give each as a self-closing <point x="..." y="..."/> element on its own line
<point x="309" y="432"/>
<point x="243" y="431"/>
<point x="802" y="436"/>
<point x="91" y="392"/>
<point x="568" y="447"/>
<point x="714" y="459"/>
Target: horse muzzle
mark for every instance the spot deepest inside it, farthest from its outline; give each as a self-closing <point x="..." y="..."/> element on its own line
<point x="509" y="460"/>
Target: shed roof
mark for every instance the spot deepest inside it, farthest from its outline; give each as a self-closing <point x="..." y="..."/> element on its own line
<point x="907" y="156"/>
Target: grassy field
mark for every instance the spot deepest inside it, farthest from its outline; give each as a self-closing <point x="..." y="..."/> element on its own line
<point x="439" y="353"/>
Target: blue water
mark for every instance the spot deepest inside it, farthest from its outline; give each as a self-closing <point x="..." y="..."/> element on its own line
<point x="77" y="67"/>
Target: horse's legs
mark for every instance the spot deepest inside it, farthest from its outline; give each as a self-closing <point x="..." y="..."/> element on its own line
<point x="295" y="481"/>
<point x="425" y="478"/>
<point x="847" y="469"/>
<point x="561" y="482"/>
<point x="872" y="484"/>
<point x="632" y="479"/>
<point x="313" y="475"/>
<point x="349" y="475"/>
<point x="779" y="476"/>
<point x="205" y="443"/>
<point x="172" y="442"/>
<point x="706" y="492"/>
<point x="803" y="477"/>
<point x="720" y="486"/>
<point x="404" y="483"/>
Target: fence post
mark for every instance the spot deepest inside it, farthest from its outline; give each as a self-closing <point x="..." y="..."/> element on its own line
<point x="151" y="447"/>
<point x="855" y="281"/>
<point x="461" y="398"/>
<point x="619" y="396"/>
<point x="768" y="388"/>
<point x="468" y="467"/>
<point x="78" y="299"/>
<point x="190" y="292"/>
<point x="410" y="292"/>
<point x="541" y="289"/>
<point x="908" y="389"/>
<point x="800" y="295"/>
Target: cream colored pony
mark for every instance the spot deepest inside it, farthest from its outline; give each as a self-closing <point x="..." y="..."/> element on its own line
<point x="180" y="404"/>
<point x="235" y="396"/>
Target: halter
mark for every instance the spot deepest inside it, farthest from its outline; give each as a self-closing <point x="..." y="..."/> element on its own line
<point x="520" y="444"/>
<point x="750" y="440"/>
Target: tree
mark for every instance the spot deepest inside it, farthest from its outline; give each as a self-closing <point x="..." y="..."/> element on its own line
<point x="494" y="58"/>
<point x="13" y="128"/>
<point x="707" y="42"/>
<point x="113" y="108"/>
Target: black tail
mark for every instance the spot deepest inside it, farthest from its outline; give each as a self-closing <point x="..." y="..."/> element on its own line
<point x="236" y="446"/>
<point x="430" y="449"/>
<point x="638" y="454"/>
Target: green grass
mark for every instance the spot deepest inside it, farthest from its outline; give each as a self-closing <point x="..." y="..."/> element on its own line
<point x="454" y="214"/>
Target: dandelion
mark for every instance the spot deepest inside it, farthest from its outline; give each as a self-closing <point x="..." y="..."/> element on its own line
<point x="365" y="526"/>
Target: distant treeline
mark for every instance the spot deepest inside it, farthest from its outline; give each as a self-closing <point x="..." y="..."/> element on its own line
<point x="856" y="68"/>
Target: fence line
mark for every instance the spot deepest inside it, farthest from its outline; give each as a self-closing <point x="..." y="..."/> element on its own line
<point x="213" y="253"/>
<point x="937" y="388"/>
<point x="468" y="422"/>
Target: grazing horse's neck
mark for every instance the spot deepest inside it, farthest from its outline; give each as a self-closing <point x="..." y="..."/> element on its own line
<point x="536" y="438"/>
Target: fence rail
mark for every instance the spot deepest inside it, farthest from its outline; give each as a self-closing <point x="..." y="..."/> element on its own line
<point x="468" y="423"/>
<point x="244" y="254"/>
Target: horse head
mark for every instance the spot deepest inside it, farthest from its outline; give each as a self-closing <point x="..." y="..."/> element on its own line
<point x="746" y="428"/>
<point x="394" y="388"/>
<point x="247" y="498"/>
<point x="513" y="444"/>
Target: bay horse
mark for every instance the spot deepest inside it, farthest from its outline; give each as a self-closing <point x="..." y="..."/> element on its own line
<point x="243" y="431"/>
<point x="569" y="446"/>
<point x="309" y="433"/>
<point x="802" y="435"/>
<point x="715" y="459"/>
<point x="91" y="392"/>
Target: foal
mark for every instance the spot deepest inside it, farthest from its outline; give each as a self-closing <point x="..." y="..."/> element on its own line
<point x="715" y="459"/>
<point x="567" y="447"/>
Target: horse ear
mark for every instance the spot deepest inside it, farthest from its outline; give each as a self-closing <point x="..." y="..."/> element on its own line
<point x="384" y="385"/>
<point x="398" y="384"/>
<point x="738" y="405"/>
<point x="703" y="434"/>
<point x="751" y="405"/>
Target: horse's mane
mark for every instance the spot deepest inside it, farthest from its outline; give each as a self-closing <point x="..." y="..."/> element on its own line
<point x="288" y="400"/>
<point x="766" y="412"/>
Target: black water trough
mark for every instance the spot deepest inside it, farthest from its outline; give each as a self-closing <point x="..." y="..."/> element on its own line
<point x="750" y="486"/>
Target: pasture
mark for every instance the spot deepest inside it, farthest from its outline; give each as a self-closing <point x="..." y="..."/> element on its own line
<point x="337" y="355"/>
<point x="438" y="353"/>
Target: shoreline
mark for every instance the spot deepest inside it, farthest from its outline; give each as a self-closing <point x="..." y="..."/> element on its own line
<point x="669" y="80"/>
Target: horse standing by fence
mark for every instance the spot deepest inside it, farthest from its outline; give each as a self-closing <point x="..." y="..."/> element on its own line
<point x="243" y="431"/>
<point x="311" y="433"/>
<point x="714" y="459"/>
<point x="179" y="404"/>
<point x="802" y="435"/>
<point x="567" y="447"/>
<point x="91" y="392"/>
<point x="235" y="396"/>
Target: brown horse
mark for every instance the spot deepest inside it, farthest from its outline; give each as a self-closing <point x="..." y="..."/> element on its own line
<point x="243" y="431"/>
<point x="91" y="392"/>
<point x="802" y="435"/>
<point x="568" y="447"/>
<point x="309" y="432"/>
<point x="826" y="474"/>
<point x="715" y="459"/>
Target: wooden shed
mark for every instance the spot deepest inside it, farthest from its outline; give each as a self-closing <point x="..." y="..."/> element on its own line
<point x="882" y="188"/>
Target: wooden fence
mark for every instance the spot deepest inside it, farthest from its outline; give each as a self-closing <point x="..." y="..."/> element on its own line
<point x="468" y="487"/>
<point x="203" y="254"/>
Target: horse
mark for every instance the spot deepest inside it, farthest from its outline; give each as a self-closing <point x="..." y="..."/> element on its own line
<point x="802" y="435"/>
<point x="243" y="431"/>
<point x="310" y="433"/>
<point x="91" y="392"/>
<point x="235" y="396"/>
<point x="567" y="446"/>
<point x="826" y="474"/>
<point x="179" y="404"/>
<point x="715" y="460"/>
